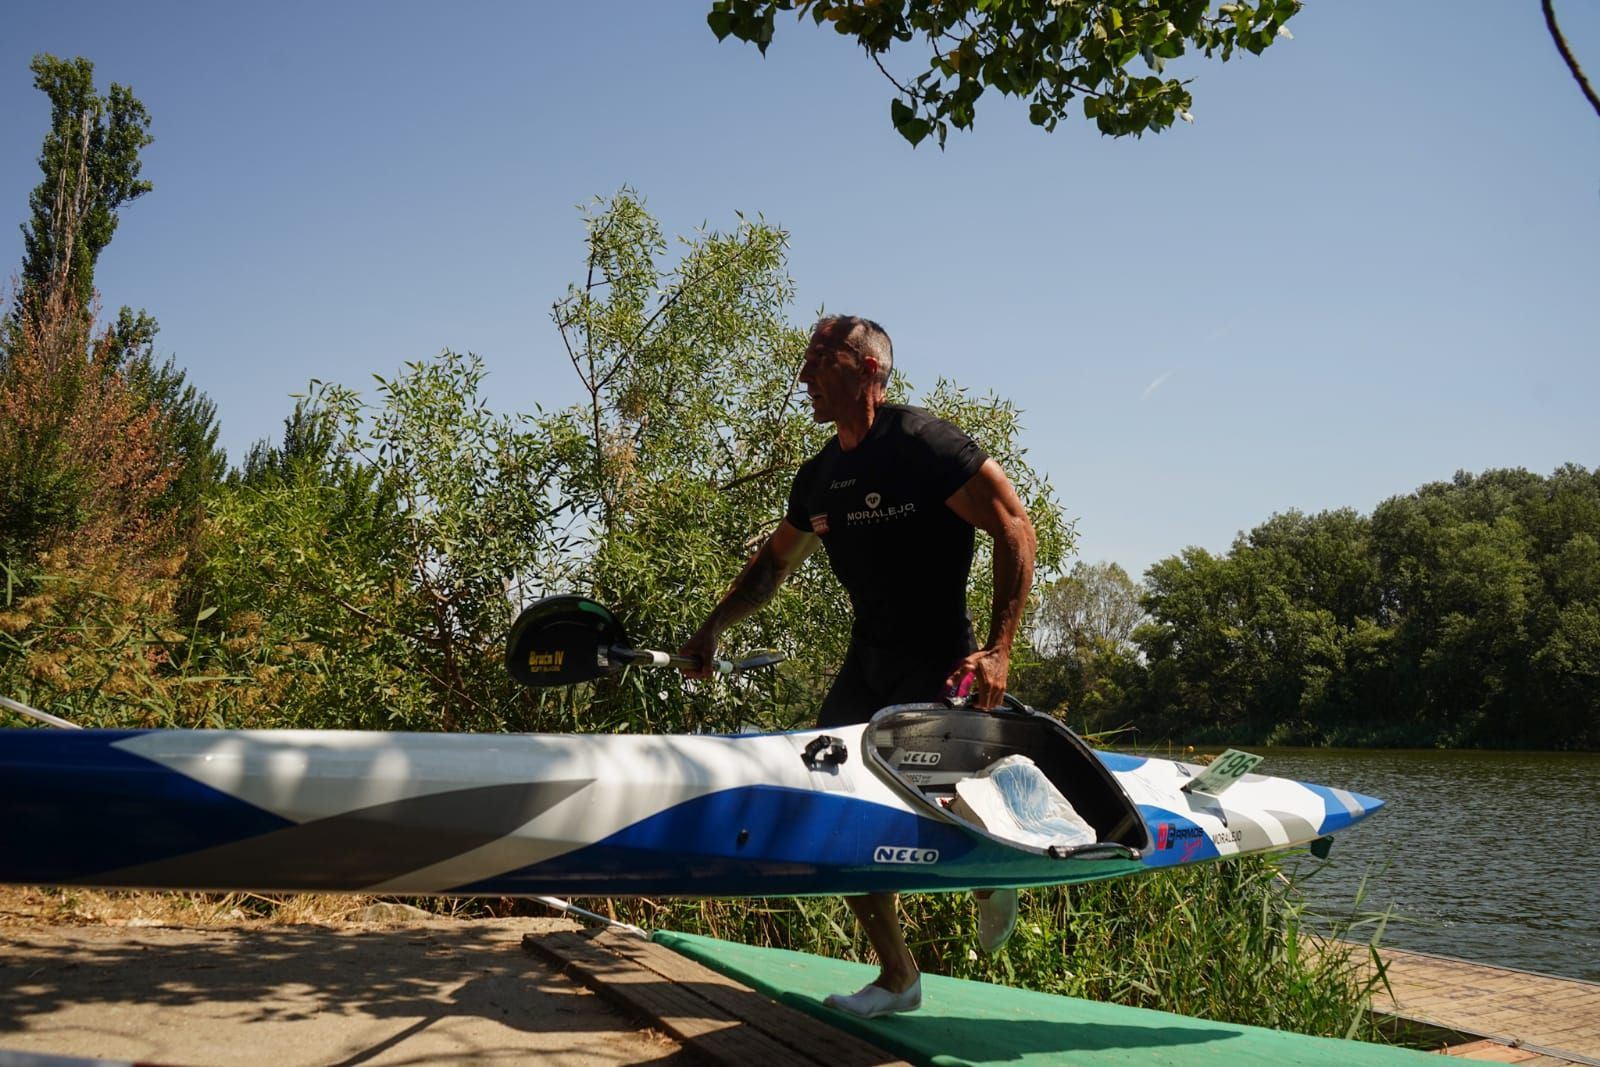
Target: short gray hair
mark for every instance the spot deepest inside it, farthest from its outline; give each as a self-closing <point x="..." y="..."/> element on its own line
<point x="865" y="338"/>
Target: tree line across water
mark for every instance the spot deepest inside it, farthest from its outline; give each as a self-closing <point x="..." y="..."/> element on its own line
<point x="1465" y="614"/>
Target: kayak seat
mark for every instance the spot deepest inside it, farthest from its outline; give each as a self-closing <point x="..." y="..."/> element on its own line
<point x="1013" y="800"/>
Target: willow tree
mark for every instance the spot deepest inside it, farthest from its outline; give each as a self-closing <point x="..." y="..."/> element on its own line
<point x="679" y="462"/>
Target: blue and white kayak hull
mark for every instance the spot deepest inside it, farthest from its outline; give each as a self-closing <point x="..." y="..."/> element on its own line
<point x="857" y="809"/>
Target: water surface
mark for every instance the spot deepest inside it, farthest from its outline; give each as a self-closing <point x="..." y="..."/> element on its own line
<point x="1488" y="856"/>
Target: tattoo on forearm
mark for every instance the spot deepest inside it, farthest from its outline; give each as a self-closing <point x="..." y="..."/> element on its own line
<point x="756" y="585"/>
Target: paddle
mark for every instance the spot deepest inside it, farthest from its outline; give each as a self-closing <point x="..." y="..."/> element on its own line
<point x="564" y="640"/>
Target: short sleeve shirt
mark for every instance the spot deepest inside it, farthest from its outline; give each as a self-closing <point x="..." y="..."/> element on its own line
<point x="896" y="547"/>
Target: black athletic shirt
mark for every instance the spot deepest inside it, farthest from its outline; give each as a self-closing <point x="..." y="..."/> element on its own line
<point x="901" y="554"/>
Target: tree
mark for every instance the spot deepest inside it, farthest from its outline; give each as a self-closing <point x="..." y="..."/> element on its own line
<point x="87" y="447"/>
<point x="1247" y="645"/>
<point x="368" y="569"/>
<point x="88" y="566"/>
<point x="91" y="165"/>
<point x="1096" y="603"/>
<point x="1487" y="585"/>
<point x="1204" y="661"/>
<point x="676" y="463"/>
<point x="187" y="419"/>
<point x="1083" y="654"/>
<point x="80" y="453"/>
<point x="1048" y="52"/>
<point x="684" y="456"/>
<point x="680" y="462"/>
<point x="99" y="407"/>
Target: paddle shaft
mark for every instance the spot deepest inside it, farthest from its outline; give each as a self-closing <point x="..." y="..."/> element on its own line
<point x="649" y="657"/>
<point x="34" y="713"/>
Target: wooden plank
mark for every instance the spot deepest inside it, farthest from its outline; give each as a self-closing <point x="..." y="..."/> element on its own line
<point x="711" y="1014"/>
<point x="1489" y="1052"/>
<point x="1549" y="1019"/>
<point x="677" y="1011"/>
<point x="789" y="1025"/>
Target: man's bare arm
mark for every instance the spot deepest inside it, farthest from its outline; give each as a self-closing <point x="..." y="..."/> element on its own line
<point x="776" y="559"/>
<point x="988" y="501"/>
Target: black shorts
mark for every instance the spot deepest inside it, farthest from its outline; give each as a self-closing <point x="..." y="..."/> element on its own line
<point x="874" y="677"/>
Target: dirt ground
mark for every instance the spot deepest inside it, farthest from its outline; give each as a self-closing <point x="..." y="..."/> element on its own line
<point x="166" y="980"/>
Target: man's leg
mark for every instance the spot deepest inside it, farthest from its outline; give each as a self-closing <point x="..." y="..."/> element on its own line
<point x="880" y="921"/>
<point x="901" y="679"/>
<point x="898" y="986"/>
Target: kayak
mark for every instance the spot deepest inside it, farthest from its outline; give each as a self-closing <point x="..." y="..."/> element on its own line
<point x="923" y="798"/>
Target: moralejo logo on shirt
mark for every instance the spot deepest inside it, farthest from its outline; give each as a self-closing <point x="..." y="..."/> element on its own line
<point x="875" y="512"/>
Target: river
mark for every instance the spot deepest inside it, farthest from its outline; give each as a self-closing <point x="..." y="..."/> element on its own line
<point x="1486" y="856"/>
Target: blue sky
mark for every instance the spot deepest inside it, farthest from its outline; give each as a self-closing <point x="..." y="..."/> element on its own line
<point x="1373" y="260"/>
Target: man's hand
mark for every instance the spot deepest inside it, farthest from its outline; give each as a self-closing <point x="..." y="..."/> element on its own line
<point x="988" y="667"/>
<point x="775" y="560"/>
<point x="704" y="645"/>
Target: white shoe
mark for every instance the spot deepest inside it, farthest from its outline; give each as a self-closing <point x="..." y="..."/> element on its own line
<point x="871" y="1001"/>
<point x="997" y="917"/>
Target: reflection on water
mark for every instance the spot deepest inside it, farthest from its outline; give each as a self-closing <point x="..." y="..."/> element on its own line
<point x="1491" y="856"/>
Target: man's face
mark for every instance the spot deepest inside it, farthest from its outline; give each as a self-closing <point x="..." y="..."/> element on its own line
<point x="834" y="376"/>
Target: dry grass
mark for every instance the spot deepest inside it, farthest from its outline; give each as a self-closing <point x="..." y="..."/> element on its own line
<point x="29" y="906"/>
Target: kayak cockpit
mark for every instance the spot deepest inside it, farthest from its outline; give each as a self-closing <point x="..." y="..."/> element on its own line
<point x="1017" y="775"/>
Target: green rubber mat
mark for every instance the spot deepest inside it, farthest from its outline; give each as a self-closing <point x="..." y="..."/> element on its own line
<point x="964" y="1022"/>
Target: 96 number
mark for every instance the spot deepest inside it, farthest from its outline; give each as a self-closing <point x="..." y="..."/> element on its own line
<point x="1223" y="772"/>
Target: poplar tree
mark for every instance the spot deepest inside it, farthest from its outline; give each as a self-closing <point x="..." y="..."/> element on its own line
<point x="90" y="160"/>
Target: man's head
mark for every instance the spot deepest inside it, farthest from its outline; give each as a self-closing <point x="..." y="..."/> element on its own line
<point x="846" y="366"/>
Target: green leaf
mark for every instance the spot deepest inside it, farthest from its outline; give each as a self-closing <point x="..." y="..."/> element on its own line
<point x="914" y="130"/>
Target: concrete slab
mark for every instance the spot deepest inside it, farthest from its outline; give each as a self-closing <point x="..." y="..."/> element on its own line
<point x="435" y="992"/>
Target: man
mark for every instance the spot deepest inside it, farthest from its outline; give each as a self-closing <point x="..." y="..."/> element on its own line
<point x="894" y="498"/>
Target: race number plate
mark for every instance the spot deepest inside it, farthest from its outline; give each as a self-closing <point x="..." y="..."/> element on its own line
<point x="1222" y="772"/>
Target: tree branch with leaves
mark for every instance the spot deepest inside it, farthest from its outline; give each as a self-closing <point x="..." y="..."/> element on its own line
<point x="1047" y="52"/>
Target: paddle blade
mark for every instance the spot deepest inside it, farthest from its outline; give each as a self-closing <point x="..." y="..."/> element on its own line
<point x="557" y="640"/>
<point x="759" y="660"/>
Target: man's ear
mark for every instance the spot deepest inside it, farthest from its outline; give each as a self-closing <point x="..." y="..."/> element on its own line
<point x="869" y="367"/>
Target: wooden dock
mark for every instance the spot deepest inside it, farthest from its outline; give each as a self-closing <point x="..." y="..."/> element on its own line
<point x="1494" y="1014"/>
<point x="718" y="1020"/>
